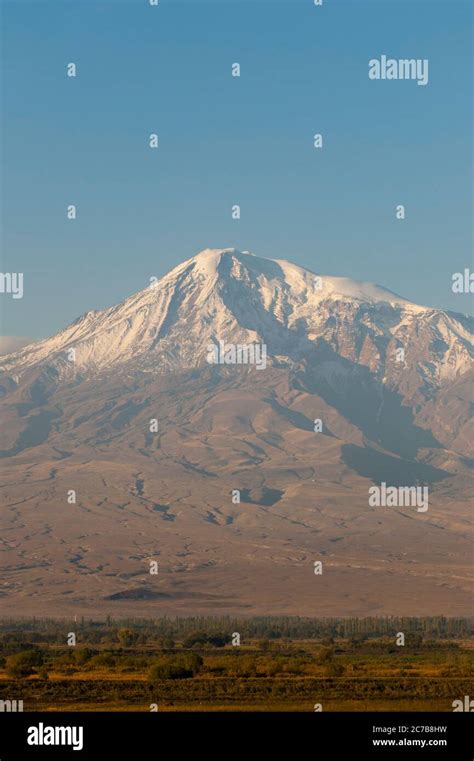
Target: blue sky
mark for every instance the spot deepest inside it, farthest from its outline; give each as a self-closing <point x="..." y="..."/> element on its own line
<point x="225" y="141"/>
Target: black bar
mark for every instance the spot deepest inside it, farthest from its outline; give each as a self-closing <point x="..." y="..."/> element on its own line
<point x="222" y="735"/>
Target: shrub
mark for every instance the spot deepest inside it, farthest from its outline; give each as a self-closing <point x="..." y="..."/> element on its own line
<point x="103" y="659"/>
<point x="196" y="638"/>
<point x="175" y="667"/>
<point x="24" y="664"/>
<point x="64" y="663"/>
<point x="328" y="641"/>
<point x="127" y="637"/>
<point x="202" y="638"/>
<point x="82" y="655"/>
<point x="334" y="669"/>
<point x="218" y="640"/>
<point x="325" y="655"/>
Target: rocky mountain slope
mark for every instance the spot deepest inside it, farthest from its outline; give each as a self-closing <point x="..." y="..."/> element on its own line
<point x="124" y="408"/>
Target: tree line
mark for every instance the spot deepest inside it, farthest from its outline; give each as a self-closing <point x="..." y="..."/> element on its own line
<point x="219" y="629"/>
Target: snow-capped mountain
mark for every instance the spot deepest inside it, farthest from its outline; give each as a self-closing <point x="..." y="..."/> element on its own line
<point x="153" y="441"/>
<point x="237" y="297"/>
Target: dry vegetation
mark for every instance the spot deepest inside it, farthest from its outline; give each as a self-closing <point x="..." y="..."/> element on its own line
<point x="280" y="665"/>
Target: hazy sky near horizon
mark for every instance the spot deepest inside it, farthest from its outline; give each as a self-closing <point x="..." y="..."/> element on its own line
<point x="227" y="140"/>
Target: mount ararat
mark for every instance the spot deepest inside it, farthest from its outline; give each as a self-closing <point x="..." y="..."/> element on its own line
<point x="123" y="410"/>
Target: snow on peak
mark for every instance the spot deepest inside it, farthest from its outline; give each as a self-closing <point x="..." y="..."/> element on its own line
<point x="210" y="263"/>
<point x="220" y="293"/>
<point x="207" y="262"/>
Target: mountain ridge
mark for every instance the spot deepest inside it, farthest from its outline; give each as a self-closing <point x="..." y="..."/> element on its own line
<point x="220" y="294"/>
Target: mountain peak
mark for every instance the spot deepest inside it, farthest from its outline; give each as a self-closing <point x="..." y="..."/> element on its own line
<point x="208" y="260"/>
<point x="223" y="294"/>
<point x="232" y="263"/>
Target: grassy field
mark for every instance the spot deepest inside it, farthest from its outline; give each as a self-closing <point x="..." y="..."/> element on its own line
<point x="262" y="675"/>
